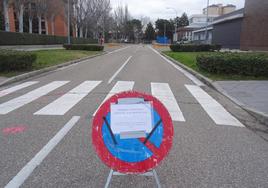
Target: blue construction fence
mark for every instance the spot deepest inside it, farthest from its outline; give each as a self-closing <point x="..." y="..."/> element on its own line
<point x="162" y="40"/>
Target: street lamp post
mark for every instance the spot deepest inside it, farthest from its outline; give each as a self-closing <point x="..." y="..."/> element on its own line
<point x="165" y="32"/>
<point x="176" y="24"/>
<point x="68" y="30"/>
<point x="103" y="28"/>
<point x="206" y="31"/>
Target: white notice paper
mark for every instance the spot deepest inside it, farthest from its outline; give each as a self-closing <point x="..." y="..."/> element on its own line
<point x="131" y="118"/>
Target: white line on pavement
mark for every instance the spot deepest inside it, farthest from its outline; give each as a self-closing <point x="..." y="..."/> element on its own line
<point x="70" y="99"/>
<point x="138" y="47"/>
<point x="84" y="61"/>
<point x="16" y="88"/>
<point x="118" y="71"/>
<point x="118" y="50"/>
<point x="187" y="74"/>
<point x="120" y="86"/>
<point x="215" y="110"/>
<point x="163" y="92"/>
<point x="26" y="171"/>
<point x="29" y="97"/>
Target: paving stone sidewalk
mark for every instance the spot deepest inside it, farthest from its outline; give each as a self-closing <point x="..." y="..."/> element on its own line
<point x="251" y="94"/>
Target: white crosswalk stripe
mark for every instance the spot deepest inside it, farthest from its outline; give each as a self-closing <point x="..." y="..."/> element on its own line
<point x="16" y="88"/>
<point x="29" y="97"/>
<point x="215" y="110"/>
<point x="120" y="86"/>
<point x="69" y="100"/>
<point x="163" y="92"/>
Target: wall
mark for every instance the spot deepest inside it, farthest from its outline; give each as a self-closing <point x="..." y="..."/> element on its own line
<point x="60" y="25"/>
<point x="228" y="9"/>
<point x="254" y="34"/>
<point x="11" y="19"/>
<point x="227" y="34"/>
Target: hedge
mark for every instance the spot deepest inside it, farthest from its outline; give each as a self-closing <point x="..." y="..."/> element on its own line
<point x="16" y="60"/>
<point x="11" y="38"/>
<point x="88" y="47"/>
<point x="248" y="64"/>
<point x="194" y="47"/>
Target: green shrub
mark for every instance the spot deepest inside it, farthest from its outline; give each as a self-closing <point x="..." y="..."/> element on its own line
<point x="194" y="47"/>
<point x="248" y="64"/>
<point x="11" y="38"/>
<point x="16" y="60"/>
<point x="87" y="47"/>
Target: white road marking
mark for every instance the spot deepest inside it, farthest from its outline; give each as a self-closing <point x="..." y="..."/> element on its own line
<point x="29" y="97"/>
<point x="138" y="47"/>
<point x="187" y="74"/>
<point x="120" y="86"/>
<point x="27" y="170"/>
<point x="84" y="61"/>
<point x="118" y="50"/>
<point x="70" y="99"/>
<point x="16" y="88"/>
<point x="118" y="71"/>
<point x="163" y="92"/>
<point x="215" y="110"/>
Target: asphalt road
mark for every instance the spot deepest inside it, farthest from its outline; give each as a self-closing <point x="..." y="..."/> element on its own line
<point x="213" y="146"/>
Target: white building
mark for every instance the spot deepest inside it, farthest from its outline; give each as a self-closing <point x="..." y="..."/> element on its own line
<point x="196" y="22"/>
<point x="199" y="21"/>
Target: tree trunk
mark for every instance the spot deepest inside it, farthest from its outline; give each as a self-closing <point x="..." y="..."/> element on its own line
<point x="76" y="31"/>
<point x="81" y="32"/>
<point x="5" y="6"/>
<point x="39" y="25"/>
<point x="52" y="25"/>
<point x="30" y="18"/>
<point x="30" y="25"/>
<point x="86" y="33"/>
<point x="21" y="11"/>
<point x="46" y="23"/>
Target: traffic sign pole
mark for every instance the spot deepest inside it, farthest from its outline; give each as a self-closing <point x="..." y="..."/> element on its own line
<point x="132" y="155"/>
<point x="150" y="174"/>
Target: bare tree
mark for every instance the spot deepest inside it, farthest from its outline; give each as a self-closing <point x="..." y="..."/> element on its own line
<point x="80" y="14"/>
<point x="19" y="9"/>
<point x="54" y="8"/>
<point x="31" y="14"/>
<point x="6" y="16"/>
<point x="145" y="20"/>
<point x="121" y="16"/>
<point x="97" y="13"/>
<point x="50" y="10"/>
<point x="41" y="9"/>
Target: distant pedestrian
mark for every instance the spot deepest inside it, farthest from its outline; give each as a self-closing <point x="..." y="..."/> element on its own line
<point x="101" y="41"/>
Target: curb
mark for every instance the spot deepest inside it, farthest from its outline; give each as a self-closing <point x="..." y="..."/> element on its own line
<point x="44" y="70"/>
<point x="204" y="79"/>
<point x="260" y="116"/>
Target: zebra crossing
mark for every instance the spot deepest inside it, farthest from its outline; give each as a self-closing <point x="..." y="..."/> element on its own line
<point x="69" y="100"/>
<point x="16" y="103"/>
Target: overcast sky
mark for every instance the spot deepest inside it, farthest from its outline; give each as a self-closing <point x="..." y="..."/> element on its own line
<point x="158" y="8"/>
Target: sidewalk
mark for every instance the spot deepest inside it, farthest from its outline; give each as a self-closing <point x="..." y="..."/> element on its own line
<point x="250" y="94"/>
<point x="2" y="79"/>
<point x="32" y="47"/>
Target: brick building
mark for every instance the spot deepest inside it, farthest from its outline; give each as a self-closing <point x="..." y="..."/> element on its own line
<point x="60" y="23"/>
<point x="254" y="35"/>
<point x="244" y="29"/>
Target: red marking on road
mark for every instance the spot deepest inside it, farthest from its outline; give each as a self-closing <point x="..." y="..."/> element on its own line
<point x="14" y="130"/>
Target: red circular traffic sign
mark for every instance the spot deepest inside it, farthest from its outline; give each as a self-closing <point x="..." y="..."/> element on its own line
<point x="132" y="156"/>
